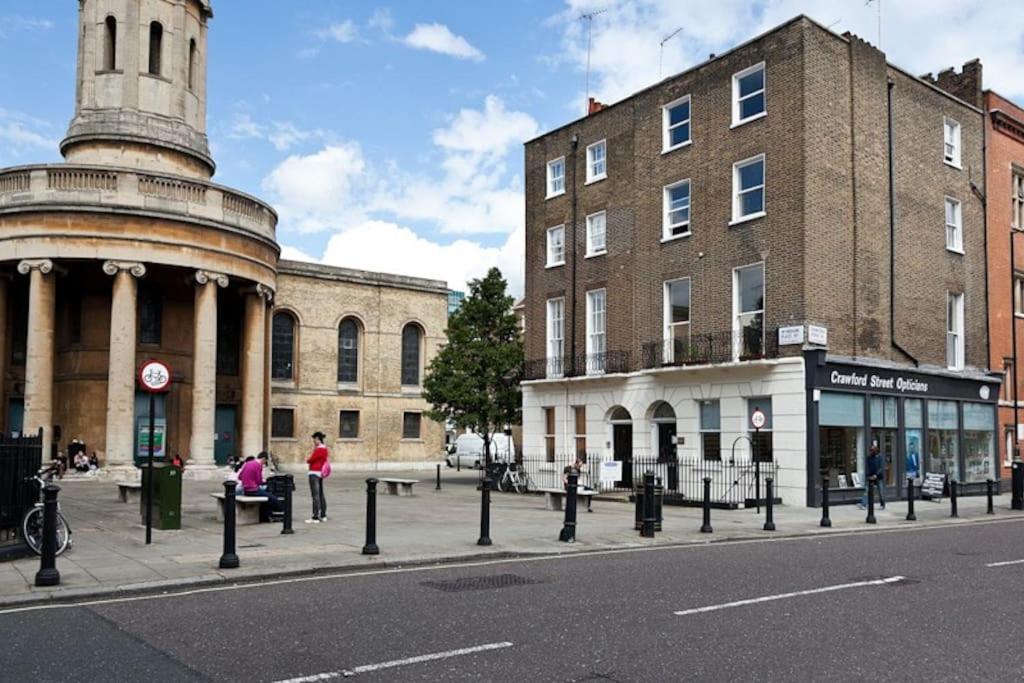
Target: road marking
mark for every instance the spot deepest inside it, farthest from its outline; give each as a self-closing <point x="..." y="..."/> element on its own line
<point x="367" y="668"/>
<point x="1004" y="564"/>
<point x="783" y="596"/>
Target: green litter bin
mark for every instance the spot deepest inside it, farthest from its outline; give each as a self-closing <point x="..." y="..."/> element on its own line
<point x="166" y="496"/>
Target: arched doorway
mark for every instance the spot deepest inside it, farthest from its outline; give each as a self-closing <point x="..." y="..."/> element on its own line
<point x="622" y="443"/>
<point x="663" y="421"/>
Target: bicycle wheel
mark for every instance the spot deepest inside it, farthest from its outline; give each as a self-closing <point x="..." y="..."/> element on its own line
<point x="63" y="533"/>
<point x="32" y="529"/>
<point x="505" y="483"/>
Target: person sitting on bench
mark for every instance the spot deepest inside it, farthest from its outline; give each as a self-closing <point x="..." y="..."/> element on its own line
<point x="251" y="479"/>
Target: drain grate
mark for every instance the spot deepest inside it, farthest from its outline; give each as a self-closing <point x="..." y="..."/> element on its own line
<point x="479" y="583"/>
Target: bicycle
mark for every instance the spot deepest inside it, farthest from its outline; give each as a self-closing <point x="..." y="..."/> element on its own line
<point x="515" y="479"/>
<point x="32" y="523"/>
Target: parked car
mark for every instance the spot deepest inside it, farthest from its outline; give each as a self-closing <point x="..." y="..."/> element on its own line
<point x="468" y="450"/>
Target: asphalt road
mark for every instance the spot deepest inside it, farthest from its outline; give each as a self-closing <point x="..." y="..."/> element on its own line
<point x="829" y="608"/>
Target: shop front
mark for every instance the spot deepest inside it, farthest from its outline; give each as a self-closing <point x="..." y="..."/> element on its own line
<point x="915" y="421"/>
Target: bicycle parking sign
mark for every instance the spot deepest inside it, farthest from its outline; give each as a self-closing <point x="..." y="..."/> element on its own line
<point x="155" y="376"/>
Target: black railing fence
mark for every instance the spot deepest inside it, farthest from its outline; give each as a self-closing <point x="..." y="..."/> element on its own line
<point x="734" y="483"/>
<point x="581" y="365"/>
<point x="20" y="459"/>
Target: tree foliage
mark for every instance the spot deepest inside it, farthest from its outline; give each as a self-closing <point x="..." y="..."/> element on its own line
<point x="473" y="381"/>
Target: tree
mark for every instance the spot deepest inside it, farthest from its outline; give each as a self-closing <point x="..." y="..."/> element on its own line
<point x="473" y="381"/>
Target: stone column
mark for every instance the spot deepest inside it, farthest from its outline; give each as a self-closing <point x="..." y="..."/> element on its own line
<point x="5" y="351"/>
<point x="121" y="367"/>
<point x="39" y="350"/>
<point x="204" y="369"/>
<point x="268" y="316"/>
<point x="253" y="366"/>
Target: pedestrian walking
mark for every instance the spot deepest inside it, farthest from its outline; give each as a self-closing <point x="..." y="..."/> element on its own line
<point x="876" y="469"/>
<point x="318" y="462"/>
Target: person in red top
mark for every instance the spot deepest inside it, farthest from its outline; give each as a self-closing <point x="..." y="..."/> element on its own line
<point x="316" y="461"/>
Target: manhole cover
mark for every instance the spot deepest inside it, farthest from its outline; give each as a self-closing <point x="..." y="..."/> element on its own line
<point x="478" y="583"/>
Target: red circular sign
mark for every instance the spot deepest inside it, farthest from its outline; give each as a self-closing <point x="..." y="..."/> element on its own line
<point x="758" y="419"/>
<point x="154" y="376"/>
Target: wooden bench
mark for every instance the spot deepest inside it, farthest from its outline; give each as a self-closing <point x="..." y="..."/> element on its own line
<point x="129" y="491"/>
<point x="553" y="498"/>
<point x="399" y="487"/>
<point x="247" y="508"/>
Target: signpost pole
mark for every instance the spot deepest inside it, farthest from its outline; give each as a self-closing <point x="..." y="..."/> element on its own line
<point x="757" y="471"/>
<point x="149" y="469"/>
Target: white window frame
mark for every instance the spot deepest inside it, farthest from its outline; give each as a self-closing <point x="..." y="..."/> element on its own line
<point x="550" y="177"/>
<point x="591" y="249"/>
<point x="666" y="128"/>
<point x="702" y="429"/>
<point x="1017" y="200"/>
<point x="597" y="331"/>
<point x="954" y="331"/>
<point x="954" y="230"/>
<point x="763" y="187"/>
<point x="666" y="313"/>
<point x="666" y="210"/>
<point x="736" y="120"/>
<point x="951" y="157"/>
<point x="551" y="262"/>
<point x="591" y="176"/>
<point x="555" y="336"/>
<point x="1018" y="294"/>
<point x="737" y="339"/>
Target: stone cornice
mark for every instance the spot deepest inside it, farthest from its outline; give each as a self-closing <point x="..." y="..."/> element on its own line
<point x="1004" y="123"/>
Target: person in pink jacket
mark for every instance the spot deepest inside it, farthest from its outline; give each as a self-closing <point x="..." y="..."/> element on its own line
<point x="316" y="461"/>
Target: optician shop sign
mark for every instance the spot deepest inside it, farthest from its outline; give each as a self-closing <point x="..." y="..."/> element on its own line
<point x="842" y="377"/>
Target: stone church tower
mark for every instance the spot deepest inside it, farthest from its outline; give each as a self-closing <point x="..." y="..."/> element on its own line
<point x="127" y="251"/>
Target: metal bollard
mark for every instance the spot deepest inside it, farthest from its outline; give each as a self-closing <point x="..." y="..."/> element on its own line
<point x="371" y="518"/>
<point x="705" y="528"/>
<point x="871" y="501"/>
<point x="438" y="486"/>
<point x="286" y="519"/>
<point x="952" y="499"/>
<point x="769" y="519"/>
<point x="48" y="574"/>
<point x="989" y="510"/>
<point x="229" y="559"/>
<point x="911" y="517"/>
<point x="485" y="512"/>
<point x="826" y="521"/>
<point x="647" y="529"/>
<point x="568" y="534"/>
<point x="1017" y="484"/>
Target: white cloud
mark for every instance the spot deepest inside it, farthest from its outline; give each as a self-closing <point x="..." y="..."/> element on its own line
<point x="23" y="133"/>
<point x="282" y="135"/>
<point x="439" y="38"/>
<point x="295" y="254"/>
<point x="341" y="32"/>
<point x="16" y="23"/>
<point x="381" y="20"/>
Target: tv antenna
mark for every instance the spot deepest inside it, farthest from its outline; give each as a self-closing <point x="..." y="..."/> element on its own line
<point x="661" y="55"/>
<point x="878" y="4"/>
<point x="589" y="18"/>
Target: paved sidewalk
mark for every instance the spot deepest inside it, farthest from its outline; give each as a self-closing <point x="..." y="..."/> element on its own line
<point x="110" y="556"/>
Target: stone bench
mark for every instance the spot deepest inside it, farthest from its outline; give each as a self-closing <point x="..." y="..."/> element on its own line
<point x="553" y="498"/>
<point x="247" y="508"/>
<point x="129" y="491"/>
<point x="399" y="487"/>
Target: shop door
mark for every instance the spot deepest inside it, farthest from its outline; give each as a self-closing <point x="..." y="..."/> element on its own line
<point x="622" y="442"/>
<point x="888" y="445"/>
<point x="667" y="454"/>
<point x="15" y="415"/>
<point x="225" y="444"/>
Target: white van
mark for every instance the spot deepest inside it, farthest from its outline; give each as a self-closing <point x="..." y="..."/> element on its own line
<point x="469" y="450"/>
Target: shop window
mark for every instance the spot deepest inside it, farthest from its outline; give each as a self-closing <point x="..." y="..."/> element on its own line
<point x="884" y="434"/>
<point x="580" y="426"/>
<point x="913" y="424"/>
<point x="979" y="442"/>
<point x="943" y="438"/>
<point x="156" y="41"/>
<point x="282" y="423"/>
<point x="348" y="427"/>
<point x="549" y="434"/>
<point x="151" y="314"/>
<point x="841" y="433"/>
<point x="711" y="430"/>
<point x="282" y="347"/>
<point x="411" y="425"/>
<point x="762" y="439"/>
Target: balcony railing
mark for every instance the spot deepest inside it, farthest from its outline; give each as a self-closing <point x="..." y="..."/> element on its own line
<point x="592" y="364"/>
<point x="709" y="348"/>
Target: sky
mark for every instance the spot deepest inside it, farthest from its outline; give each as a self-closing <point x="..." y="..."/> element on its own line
<point x="388" y="135"/>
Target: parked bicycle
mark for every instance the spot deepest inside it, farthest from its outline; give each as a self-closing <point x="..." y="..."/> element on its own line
<point x="515" y="479"/>
<point x="32" y="523"/>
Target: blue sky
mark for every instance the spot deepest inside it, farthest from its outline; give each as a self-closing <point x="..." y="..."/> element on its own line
<point x="389" y="135"/>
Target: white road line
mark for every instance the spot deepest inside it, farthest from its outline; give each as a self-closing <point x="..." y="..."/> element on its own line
<point x="783" y="596"/>
<point x="367" y="668"/>
<point x="1004" y="564"/>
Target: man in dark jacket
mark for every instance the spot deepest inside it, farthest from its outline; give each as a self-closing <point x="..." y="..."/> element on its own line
<point x="876" y="475"/>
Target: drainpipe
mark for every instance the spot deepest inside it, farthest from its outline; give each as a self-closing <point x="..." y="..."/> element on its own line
<point x="892" y="233"/>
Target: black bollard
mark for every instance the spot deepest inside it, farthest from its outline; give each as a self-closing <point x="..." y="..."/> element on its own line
<point x="871" y="501"/>
<point x="438" y="486"/>
<point x="769" y="519"/>
<point x="229" y="559"/>
<point x="286" y="518"/>
<point x="568" y="534"/>
<point x="647" y="528"/>
<point x="989" y="510"/>
<point x="48" y="574"/>
<point x="911" y="517"/>
<point x="485" y="512"/>
<point x="371" y="518"/>
<point x="952" y="498"/>
<point x="705" y="528"/>
<point x="1017" y="484"/>
<point x="826" y="521"/>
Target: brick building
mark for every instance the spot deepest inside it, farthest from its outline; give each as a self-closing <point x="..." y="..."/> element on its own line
<point x="796" y="227"/>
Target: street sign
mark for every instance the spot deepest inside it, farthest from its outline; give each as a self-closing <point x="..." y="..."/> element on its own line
<point x="817" y="334"/>
<point x="758" y="419"/>
<point x="933" y="484"/>
<point x="154" y="377"/>
<point x="791" y="335"/>
<point x="611" y="471"/>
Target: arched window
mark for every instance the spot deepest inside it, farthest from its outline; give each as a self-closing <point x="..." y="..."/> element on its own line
<point x="156" y="40"/>
<point x="110" y="46"/>
<point x="411" y="336"/>
<point x="348" y="351"/>
<point x="282" y="353"/>
<point x="192" y="64"/>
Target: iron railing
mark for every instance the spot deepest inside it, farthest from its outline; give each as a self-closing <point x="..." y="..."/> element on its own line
<point x="588" y="364"/>
<point x="20" y="459"/>
<point x="711" y="347"/>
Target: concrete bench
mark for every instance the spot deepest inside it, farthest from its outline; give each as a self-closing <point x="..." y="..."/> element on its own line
<point x="399" y="487"/>
<point x="553" y="498"/>
<point x="247" y="508"/>
<point x="129" y="491"/>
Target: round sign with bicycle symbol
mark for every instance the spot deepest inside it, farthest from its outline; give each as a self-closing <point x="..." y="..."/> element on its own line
<point x="155" y="376"/>
<point x="758" y="418"/>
